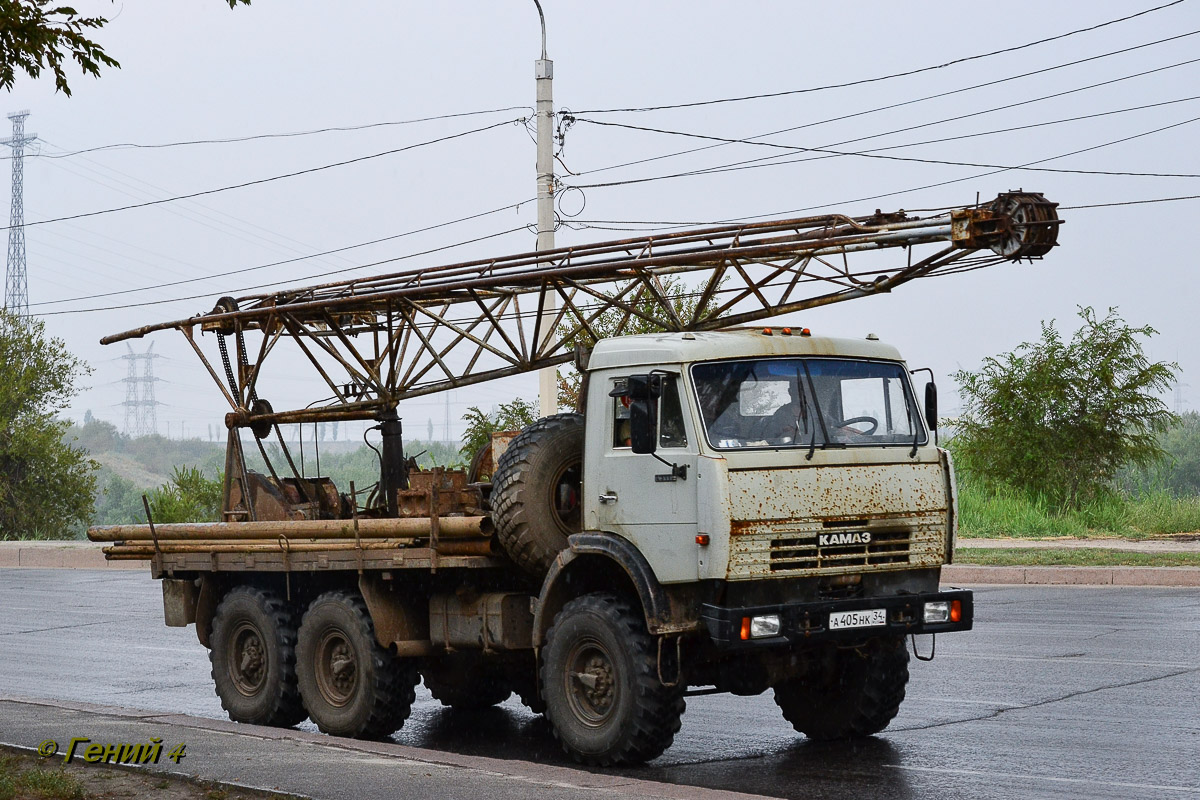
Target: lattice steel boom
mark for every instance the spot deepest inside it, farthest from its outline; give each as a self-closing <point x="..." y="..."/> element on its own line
<point x="375" y="341"/>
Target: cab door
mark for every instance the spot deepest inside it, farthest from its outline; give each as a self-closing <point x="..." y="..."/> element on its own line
<point x="638" y="496"/>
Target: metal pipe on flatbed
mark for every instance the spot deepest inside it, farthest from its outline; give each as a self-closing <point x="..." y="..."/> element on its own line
<point x="404" y="527"/>
<point x="140" y="550"/>
<point x="254" y="547"/>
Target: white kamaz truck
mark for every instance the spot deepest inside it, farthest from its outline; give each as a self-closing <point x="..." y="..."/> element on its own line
<point x="734" y="509"/>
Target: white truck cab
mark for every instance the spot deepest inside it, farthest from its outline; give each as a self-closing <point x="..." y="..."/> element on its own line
<point x="776" y="454"/>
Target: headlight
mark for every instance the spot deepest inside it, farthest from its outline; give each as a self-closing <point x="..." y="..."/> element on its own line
<point x="764" y="626"/>
<point x="937" y="611"/>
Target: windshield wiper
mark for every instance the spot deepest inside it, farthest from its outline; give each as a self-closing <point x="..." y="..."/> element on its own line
<point x="820" y="415"/>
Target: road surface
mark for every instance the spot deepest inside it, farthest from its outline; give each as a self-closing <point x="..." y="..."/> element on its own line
<point x="1059" y="692"/>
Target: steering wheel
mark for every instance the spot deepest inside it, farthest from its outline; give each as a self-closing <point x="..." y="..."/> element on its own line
<point x="845" y="423"/>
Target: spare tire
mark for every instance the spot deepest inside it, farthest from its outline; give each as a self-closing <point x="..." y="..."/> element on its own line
<point x="537" y="491"/>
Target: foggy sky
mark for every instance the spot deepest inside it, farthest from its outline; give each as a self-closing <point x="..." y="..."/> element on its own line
<point x="197" y="70"/>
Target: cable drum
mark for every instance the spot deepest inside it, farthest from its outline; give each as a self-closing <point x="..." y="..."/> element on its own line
<point x="1033" y="225"/>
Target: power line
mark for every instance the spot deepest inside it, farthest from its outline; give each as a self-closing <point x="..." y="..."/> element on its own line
<point x="304" y="278"/>
<point x="286" y="261"/>
<point x="1130" y="202"/>
<point x="760" y="163"/>
<point x="911" y="189"/>
<point x="939" y="95"/>
<point x="274" y="177"/>
<point x="193" y="211"/>
<point x="874" y="155"/>
<point x="286" y="135"/>
<point x="613" y="224"/>
<point x="883" y="77"/>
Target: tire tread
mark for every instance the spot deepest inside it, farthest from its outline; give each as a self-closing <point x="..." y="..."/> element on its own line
<point x="659" y="708"/>
<point x="287" y="709"/>
<point x="863" y="711"/>
<point x="529" y="546"/>
<point x="393" y="691"/>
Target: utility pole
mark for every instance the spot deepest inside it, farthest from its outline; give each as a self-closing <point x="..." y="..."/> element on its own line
<point x="16" y="281"/>
<point x="544" y="73"/>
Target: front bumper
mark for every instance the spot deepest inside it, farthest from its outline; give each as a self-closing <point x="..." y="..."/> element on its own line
<point x="809" y="621"/>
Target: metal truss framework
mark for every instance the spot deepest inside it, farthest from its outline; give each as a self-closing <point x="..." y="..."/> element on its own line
<point x="141" y="408"/>
<point x="375" y="341"/>
<point x="16" y="280"/>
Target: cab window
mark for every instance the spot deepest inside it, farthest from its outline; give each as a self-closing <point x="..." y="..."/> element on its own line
<point x="672" y="431"/>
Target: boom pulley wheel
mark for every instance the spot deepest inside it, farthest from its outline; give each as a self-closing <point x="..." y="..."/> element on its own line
<point x="1032" y="225"/>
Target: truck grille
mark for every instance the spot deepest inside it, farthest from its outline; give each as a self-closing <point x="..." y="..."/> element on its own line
<point x="806" y="552"/>
<point x="793" y="548"/>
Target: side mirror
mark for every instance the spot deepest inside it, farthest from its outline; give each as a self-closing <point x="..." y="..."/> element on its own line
<point x="644" y="391"/>
<point x="931" y="409"/>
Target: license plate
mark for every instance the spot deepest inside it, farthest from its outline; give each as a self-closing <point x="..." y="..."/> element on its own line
<point x="857" y="619"/>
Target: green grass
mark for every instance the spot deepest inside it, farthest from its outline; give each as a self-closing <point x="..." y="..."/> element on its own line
<point x="1071" y="557"/>
<point x="1005" y="513"/>
<point x="37" y="783"/>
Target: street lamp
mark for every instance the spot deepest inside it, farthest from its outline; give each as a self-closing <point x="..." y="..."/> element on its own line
<point x="544" y="112"/>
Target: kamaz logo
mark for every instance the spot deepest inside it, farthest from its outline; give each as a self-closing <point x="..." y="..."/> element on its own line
<point x="826" y="539"/>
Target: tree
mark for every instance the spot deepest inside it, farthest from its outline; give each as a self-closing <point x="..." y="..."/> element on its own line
<point x="683" y="300"/>
<point x="511" y="416"/>
<point x="189" y="497"/>
<point x="1060" y="418"/>
<point x="35" y="35"/>
<point x="46" y="483"/>
<point x="1179" y="472"/>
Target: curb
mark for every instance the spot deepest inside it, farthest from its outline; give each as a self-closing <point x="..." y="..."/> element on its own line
<point x="1079" y="576"/>
<point x="61" y="555"/>
<point x="518" y="778"/>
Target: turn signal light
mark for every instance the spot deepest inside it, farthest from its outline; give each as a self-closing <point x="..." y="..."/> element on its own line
<point x="956" y="610"/>
<point x="702" y="539"/>
<point x="745" y="628"/>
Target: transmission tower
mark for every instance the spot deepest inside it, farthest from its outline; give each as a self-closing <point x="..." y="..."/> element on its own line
<point x="16" y="284"/>
<point x="141" y="417"/>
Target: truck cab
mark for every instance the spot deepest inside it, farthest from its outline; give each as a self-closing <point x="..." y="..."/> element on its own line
<point x="777" y="454"/>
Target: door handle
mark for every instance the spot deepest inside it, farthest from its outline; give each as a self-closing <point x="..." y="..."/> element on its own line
<point x="608" y="498"/>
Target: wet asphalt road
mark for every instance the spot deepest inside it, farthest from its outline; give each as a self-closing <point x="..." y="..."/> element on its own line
<point x="1090" y="692"/>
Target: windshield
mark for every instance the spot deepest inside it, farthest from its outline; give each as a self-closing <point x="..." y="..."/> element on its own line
<point x="806" y="402"/>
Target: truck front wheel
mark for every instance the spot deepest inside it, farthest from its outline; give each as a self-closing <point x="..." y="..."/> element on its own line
<point x="351" y="686"/>
<point x="254" y="658"/>
<point x="600" y="684"/>
<point x="847" y="693"/>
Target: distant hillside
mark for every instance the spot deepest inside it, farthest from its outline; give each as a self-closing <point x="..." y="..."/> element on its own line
<point x="131" y="466"/>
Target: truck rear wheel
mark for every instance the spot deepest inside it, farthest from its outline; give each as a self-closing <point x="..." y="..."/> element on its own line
<point x="536" y="491"/>
<point x="351" y="686"/>
<point x="254" y="658"/>
<point x="850" y="693"/>
<point x="465" y="683"/>
<point x="600" y="683"/>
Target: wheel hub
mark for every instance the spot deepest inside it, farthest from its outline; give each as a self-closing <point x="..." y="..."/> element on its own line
<point x="591" y="684"/>
<point x="337" y="669"/>
<point x="247" y="660"/>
